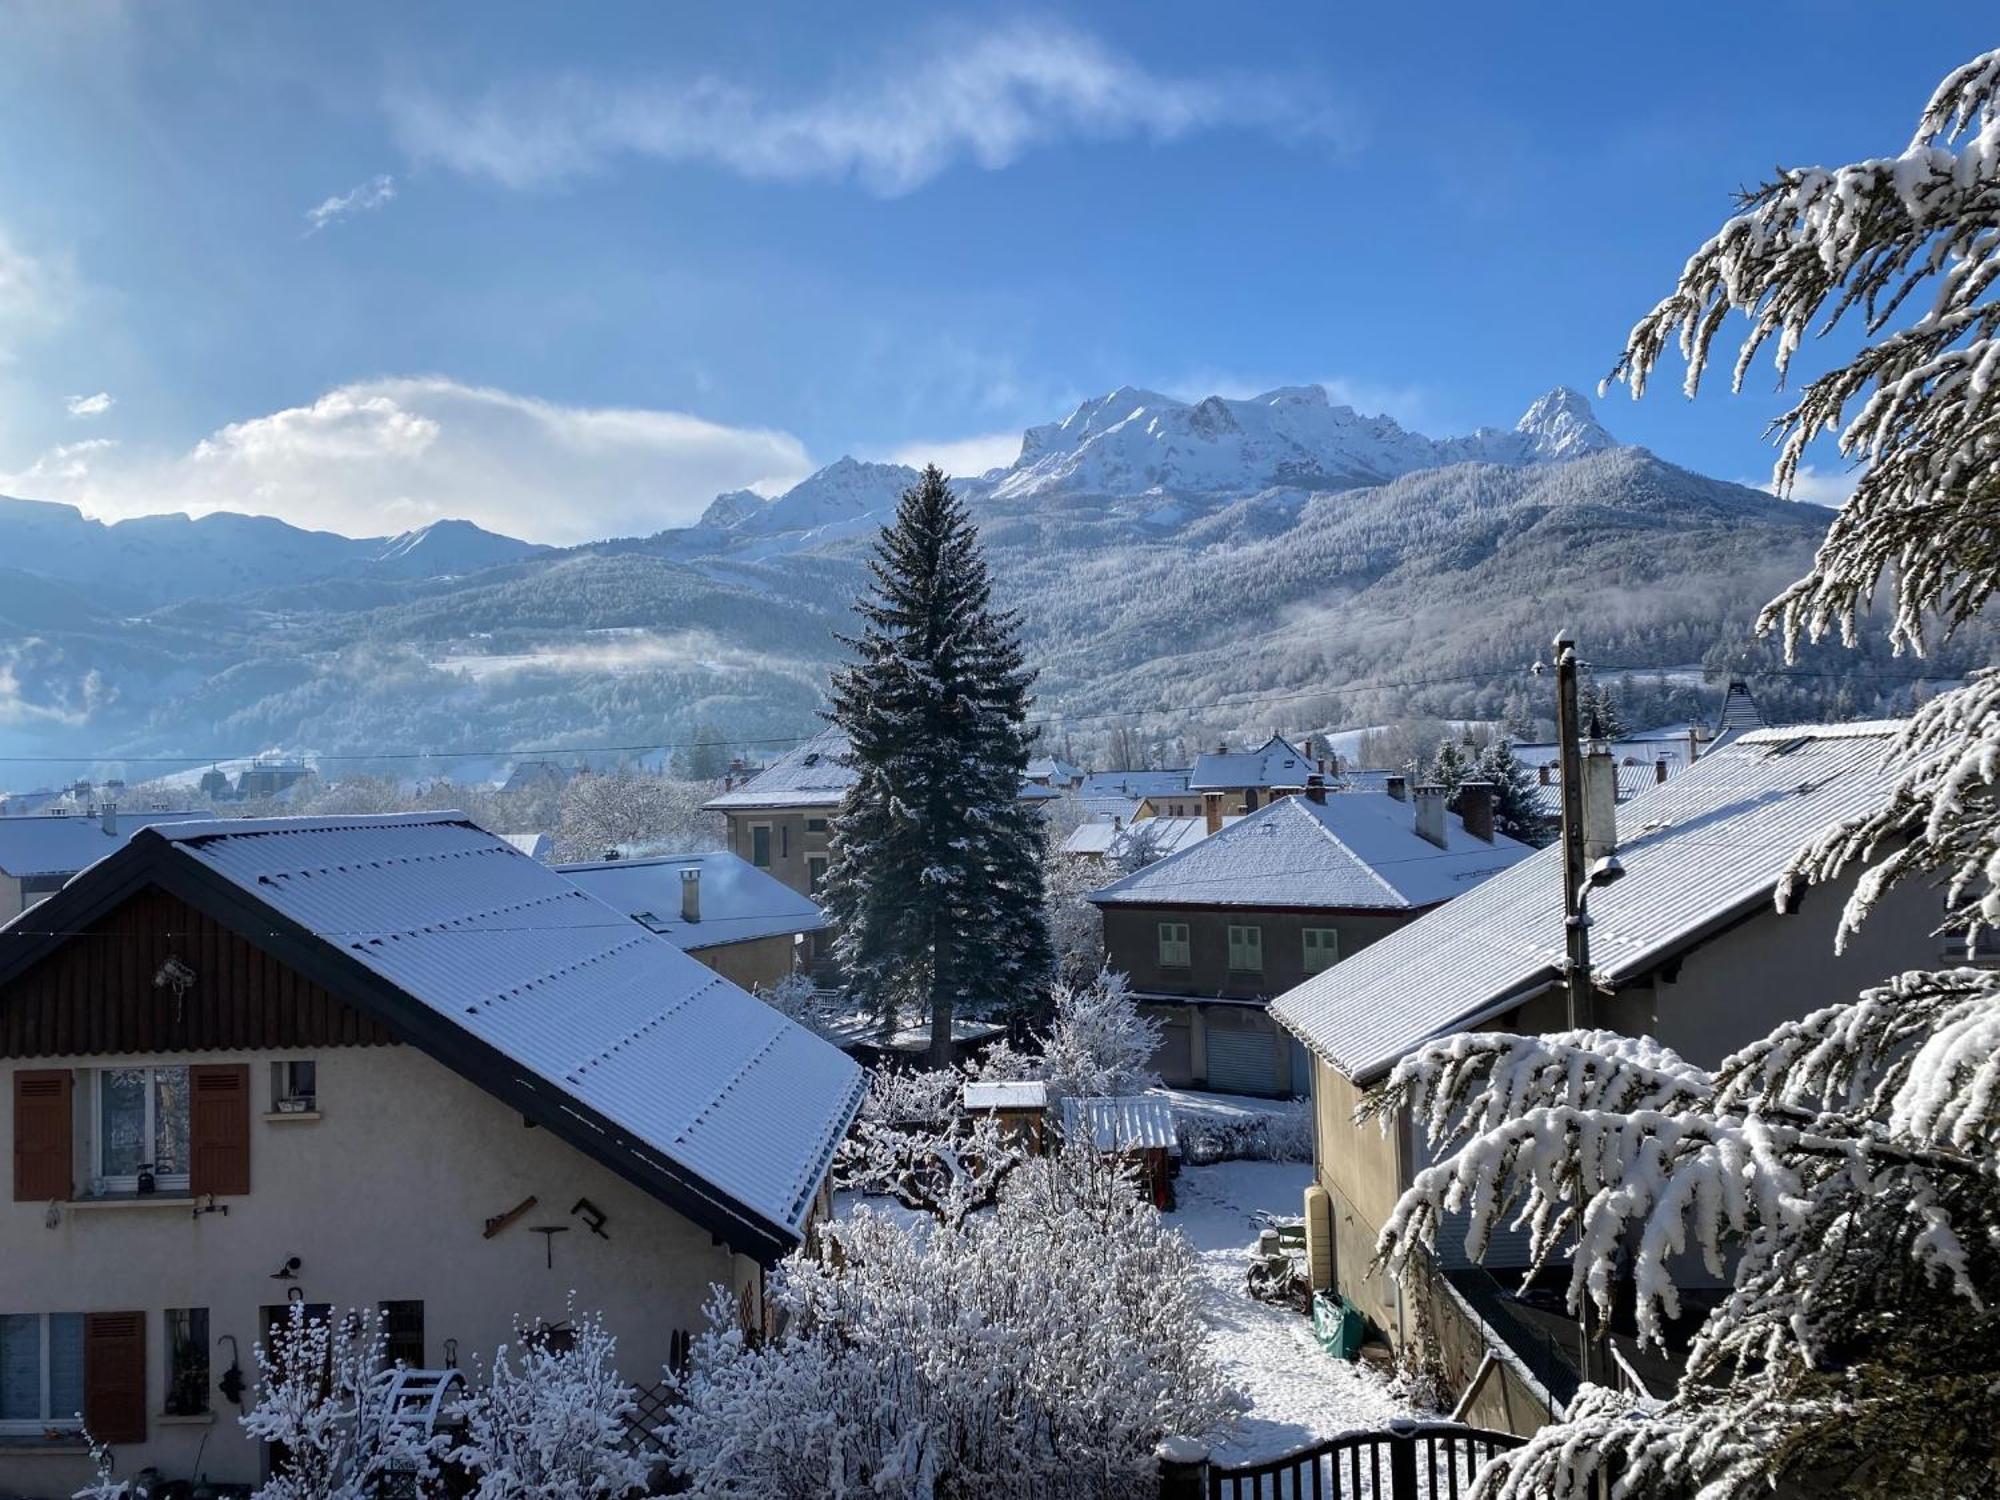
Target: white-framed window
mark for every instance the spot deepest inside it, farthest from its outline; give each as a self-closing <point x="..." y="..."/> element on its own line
<point x="760" y="845"/>
<point x="1176" y="946"/>
<point x="1246" y="949"/>
<point x="141" y="1120"/>
<point x="1322" y="948"/>
<point x="295" y="1086"/>
<point x="41" y="1371"/>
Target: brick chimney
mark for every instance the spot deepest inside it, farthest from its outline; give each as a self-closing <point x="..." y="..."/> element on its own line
<point x="1211" y="811"/>
<point x="109" y="818"/>
<point x="1475" y="809"/>
<point x="1544" y="771"/>
<point x="1600" y="805"/>
<point x="1316" y="789"/>
<point x="691" y="893"/>
<point x="1430" y="813"/>
<point x="1397" y="787"/>
<point x="1659" y="770"/>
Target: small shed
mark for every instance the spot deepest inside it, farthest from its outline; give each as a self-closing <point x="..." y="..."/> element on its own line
<point x="1021" y="1107"/>
<point x="1136" y="1127"/>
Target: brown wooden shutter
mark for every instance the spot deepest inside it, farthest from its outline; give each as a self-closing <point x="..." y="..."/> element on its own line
<point x="219" y="1129"/>
<point x="42" y="1125"/>
<point x="114" y="1376"/>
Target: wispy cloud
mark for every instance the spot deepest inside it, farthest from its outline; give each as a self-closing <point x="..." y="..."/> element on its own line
<point x="964" y="457"/>
<point x="376" y="192"/>
<point x="91" y="406"/>
<point x="1817" y="487"/>
<point x="1410" y="405"/>
<point x="382" y="456"/>
<point x="37" y="292"/>
<point x="987" y="99"/>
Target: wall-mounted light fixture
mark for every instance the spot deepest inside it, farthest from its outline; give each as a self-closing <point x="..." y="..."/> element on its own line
<point x="289" y="1271"/>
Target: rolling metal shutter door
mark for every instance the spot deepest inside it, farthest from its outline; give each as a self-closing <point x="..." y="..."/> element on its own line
<point x="1242" y="1061"/>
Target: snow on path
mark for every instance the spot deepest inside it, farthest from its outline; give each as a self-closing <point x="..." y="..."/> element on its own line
<point x="1298" y="1392"/>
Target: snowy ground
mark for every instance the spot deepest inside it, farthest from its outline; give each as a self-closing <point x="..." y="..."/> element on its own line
<point x="1298" y="1393"/>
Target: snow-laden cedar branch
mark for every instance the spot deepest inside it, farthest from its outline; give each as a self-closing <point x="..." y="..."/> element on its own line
<point x="1849" y="1161"/>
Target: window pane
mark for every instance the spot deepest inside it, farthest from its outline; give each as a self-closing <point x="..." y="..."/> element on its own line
<point x="121" y="1096"/>
<point x="65" y="1367"/>
<point x="187" y="1361"/>
<point x="170" y="1120"/>
<point x="20" y="1367"/>
<point x="403" y="1333"/>
<point x="760" y="847"/>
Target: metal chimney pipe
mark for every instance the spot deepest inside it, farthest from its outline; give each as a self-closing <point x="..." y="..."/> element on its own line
<point x="691" y="894"/>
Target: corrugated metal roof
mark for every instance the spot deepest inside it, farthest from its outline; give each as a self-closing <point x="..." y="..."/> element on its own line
<point x="1355" y="849"/>
<point x="738" y="901"/>
<point x="1277" y="762"/>
<point x="1710" y="841"/>
<point x="1127" y="1122"/>
<point x="63" y="843"/>
<point x="572" y="991"/>
<point x="814" y="774"/>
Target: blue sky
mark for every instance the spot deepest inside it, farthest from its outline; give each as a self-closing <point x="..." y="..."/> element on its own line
<point x="571" y="270"/>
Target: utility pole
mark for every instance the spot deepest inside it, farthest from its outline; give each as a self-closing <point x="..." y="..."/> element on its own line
<point x="1576" y="932"/>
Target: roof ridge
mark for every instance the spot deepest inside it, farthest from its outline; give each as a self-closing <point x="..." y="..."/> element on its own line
<point x="1350" y="851"/>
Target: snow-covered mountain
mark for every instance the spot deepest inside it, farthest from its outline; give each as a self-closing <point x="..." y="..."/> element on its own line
<point x="1139" y="442"/>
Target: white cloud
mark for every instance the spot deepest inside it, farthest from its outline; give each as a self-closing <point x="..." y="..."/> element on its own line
<point x="965" y="457"/>
<point x="377" y="192"/>
<point x="37" y="292"/>
<point x="384" y="456"/>
<point x="1816" y="487"/>
<point x="91" y="406"/>
<point x="987" y="99"/>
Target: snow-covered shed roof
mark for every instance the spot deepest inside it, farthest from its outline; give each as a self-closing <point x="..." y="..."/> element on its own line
<point x="1015" y="1094"/>
<point x="603" y="1032"/>
<point x="1276" y="763"/>
<point x="1161" y="836"/>
<point x="813" y="774"/>
<point x="1353" y="850"/>
<point x="63" y="843"/>
<point x="1698" y="850"/>
<point x="738" y="902"/>
<point x="1125" y="1122"/>
<point x="534" y="845"/>
<point x="1131" y="786"/>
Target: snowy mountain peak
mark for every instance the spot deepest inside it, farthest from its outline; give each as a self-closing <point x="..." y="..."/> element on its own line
<point x="1562" y="425"/>
<point x="844" y="490"/>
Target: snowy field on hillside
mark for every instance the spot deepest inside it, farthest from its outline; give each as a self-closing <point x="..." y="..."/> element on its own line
<point x="1298" y="1392"/>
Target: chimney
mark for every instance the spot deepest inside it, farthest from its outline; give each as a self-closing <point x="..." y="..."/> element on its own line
<point x="1544" y="770"/>
<point x="691" y="894"/>
<point x="110" y="818"/>
<point x="1430" y="813"/>
<point x="1600" y="805"/>
<point x="1397" y="787"/>
<point x="1659" y="770"/>
<point x="1316" y="789"/>
<point x="1475" y="809"/>
<point x="1211" y="811"/>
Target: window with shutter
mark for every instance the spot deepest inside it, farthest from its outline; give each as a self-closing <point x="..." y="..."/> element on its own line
<point x="1322" y="948"/>
<point x="220" y="1129"/>
<point x="42" y="1135"/>
<point x="1246" y="950"/>
<point x="1175" y="948"/>
<point x="114" y="1376"/>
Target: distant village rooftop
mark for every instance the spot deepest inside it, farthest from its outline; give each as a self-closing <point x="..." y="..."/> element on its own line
<point x="731" y="900"/>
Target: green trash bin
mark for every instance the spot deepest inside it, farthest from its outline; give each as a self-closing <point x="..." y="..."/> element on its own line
<point x="1338" y="1325"/>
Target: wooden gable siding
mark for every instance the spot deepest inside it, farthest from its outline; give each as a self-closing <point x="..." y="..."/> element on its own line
<point x="95" y="993"/>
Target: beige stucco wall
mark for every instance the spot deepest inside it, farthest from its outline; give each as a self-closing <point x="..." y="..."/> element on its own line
<point x="385" y="1197"/>
<point x="761" y="961"/>
<point x="790" y="842"/>
<point x="10" y="897"/>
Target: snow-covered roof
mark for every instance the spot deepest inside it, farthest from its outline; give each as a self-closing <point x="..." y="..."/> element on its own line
<point x="1127" y="1122"/>
<point x="1019" y="1094"/>
<point x="1354" y="850"/>
<point x="813" y="774"/>
<point x="604" y="1032"/>
<point x="1739" y="715"/>
<point x="738" y="901"/>
<point x="63" y="843"/>
<point x="1697" y="849"/>
<point x="1277" y="762"/>
<point x="1631" y="780"/>
<point x="1054" y="769"/>
<point x="1131" y="786"/>
<point x="534" y="845"/>
<point x="1161" y="836"/>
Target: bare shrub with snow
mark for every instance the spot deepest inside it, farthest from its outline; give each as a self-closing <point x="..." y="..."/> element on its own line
<point x="1039" y="1350"/>
<point x="550" y="1423"/>
<point x="913" y="1141"/>
<point x="797" y="997"/>
<point x="1278" y="1132"/>
<point x="1098" y="1044"/>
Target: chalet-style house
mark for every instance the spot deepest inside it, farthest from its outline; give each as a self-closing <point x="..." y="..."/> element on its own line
<point x="739" y="921"/>
<point x="1247" y="779"/>
<point x="364" y="1062"/>
<point x="39" y="852"/>
<point x="1209" y="934"/>
<point x="1686" y="947"/>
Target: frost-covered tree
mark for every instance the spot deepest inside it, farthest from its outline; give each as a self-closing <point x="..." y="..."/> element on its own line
<point x="796" y="996"/>
<point x="912" y="1141"/>
<point x="1851" y="1160"/>
<point x="1514" y="811"/>
<point x="936" y="880"/>
<point x="552" y="1420"/>
<point x="1101" y="1043"/>
<point x="322" y="1397"/>
<point x="1076" y="926"/>
<point x="1449" y="765"/>
<point x="1040" y="1350"/>
<point x="626" y="811"/>
<point x="1598" y="704"/>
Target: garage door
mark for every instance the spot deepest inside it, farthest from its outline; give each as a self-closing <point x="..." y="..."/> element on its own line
<point x="1242" y="1061"/>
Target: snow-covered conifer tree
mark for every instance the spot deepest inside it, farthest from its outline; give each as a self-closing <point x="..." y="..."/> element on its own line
<point x="936" y="881"/>
<point x="1514" y="811"/>
<point x="1852" y="1158"/>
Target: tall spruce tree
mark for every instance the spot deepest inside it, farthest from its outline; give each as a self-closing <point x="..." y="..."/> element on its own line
<point x="936" y="883"/>
<point x="1514" y="811"/>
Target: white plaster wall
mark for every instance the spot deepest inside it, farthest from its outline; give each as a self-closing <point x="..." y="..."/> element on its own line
<point x="385" y="1197"/>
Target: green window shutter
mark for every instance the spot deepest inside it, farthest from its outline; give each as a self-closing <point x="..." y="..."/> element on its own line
<point x="1322" y="948"/>
<point x="1246" y="950"/>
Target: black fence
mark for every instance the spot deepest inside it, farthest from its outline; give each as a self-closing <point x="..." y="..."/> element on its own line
<point x="1407" y="1461"/>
